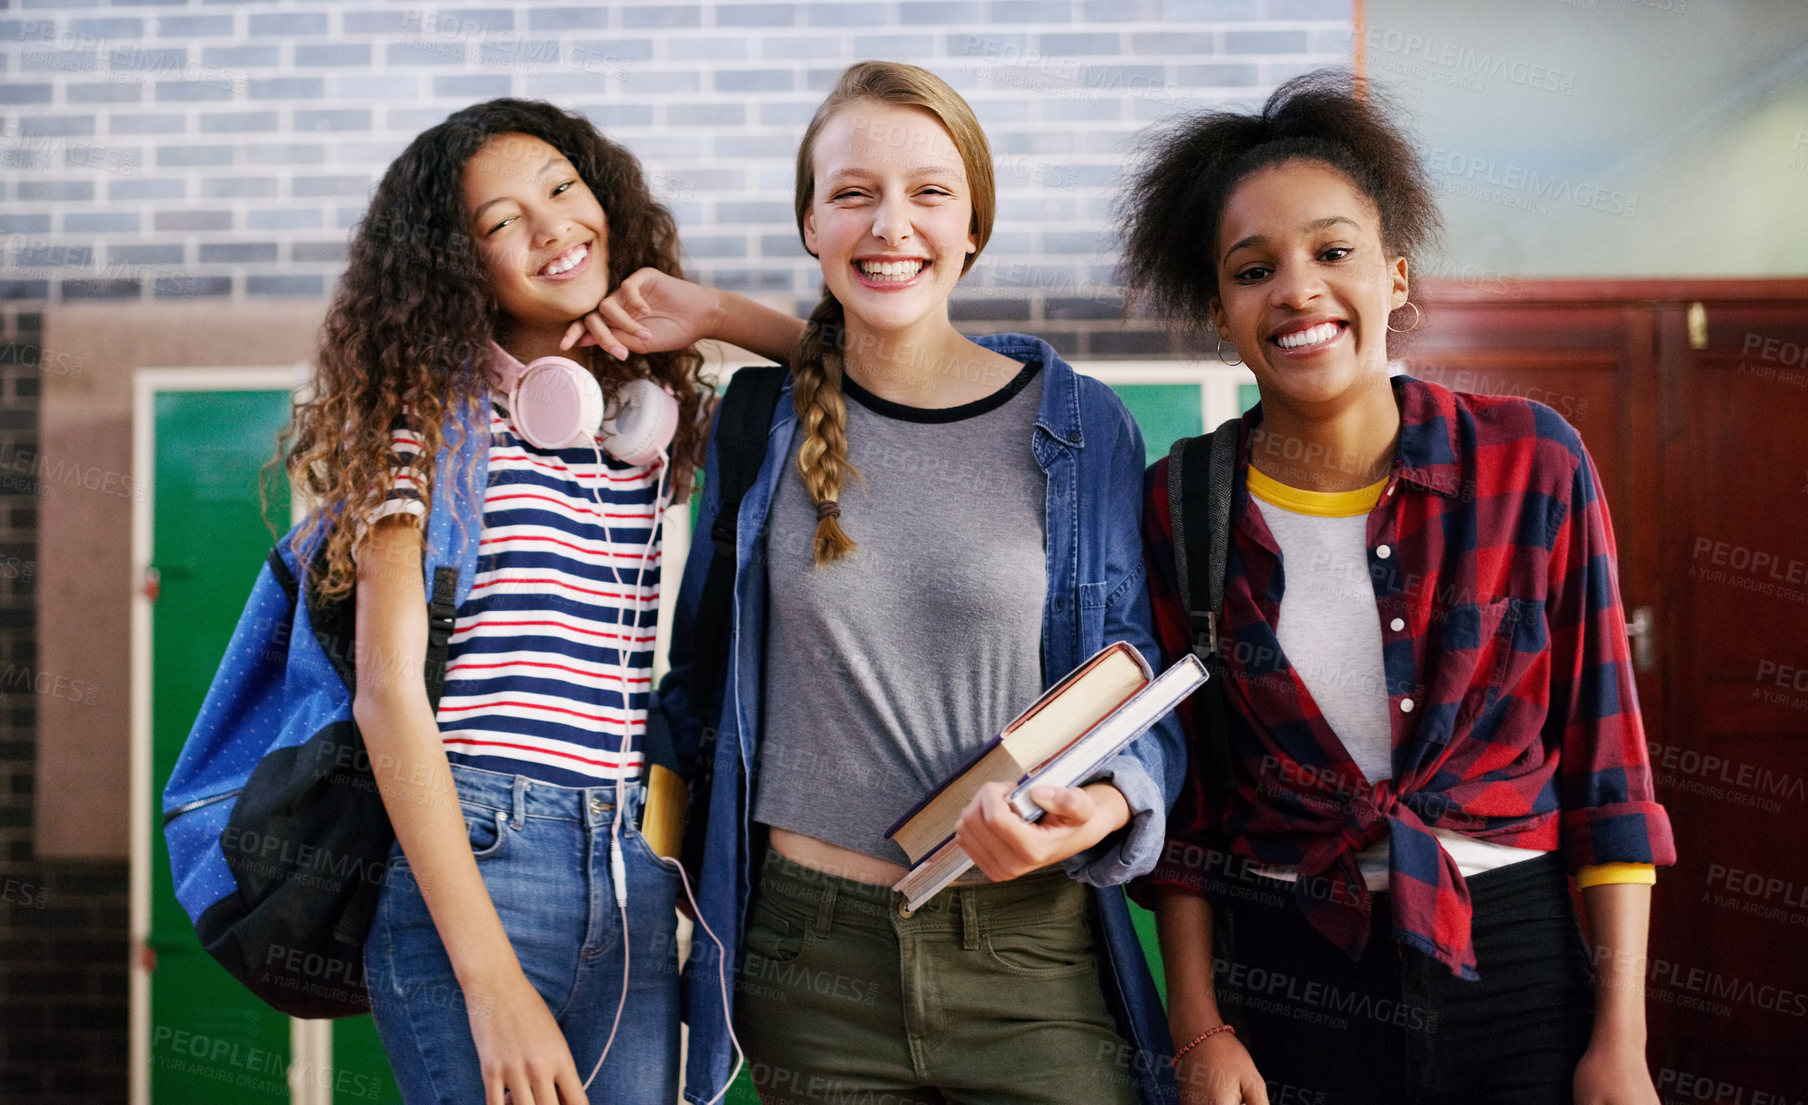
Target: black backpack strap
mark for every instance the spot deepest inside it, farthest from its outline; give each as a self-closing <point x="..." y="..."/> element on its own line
<point x="442" y="611"/>
<point x="743" y="423"/>
<point x="335" y="624"/>
<point x="1201" y="472"/>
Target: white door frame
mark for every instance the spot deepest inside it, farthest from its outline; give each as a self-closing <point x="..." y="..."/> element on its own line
<point x="146" y="384"/>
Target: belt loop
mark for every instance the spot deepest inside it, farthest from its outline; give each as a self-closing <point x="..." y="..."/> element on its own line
<point x="969" y="919"/>
<point x="520" y="811"/>
<point x="825" y="913"/>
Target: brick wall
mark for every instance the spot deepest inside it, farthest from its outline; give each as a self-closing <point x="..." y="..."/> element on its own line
<point x="63" y="927"/>
<point x="156" y="150"/>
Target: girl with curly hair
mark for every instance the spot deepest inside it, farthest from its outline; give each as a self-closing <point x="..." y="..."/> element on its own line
<point x="514" y="922"/>
<point x="1429" y="706"/>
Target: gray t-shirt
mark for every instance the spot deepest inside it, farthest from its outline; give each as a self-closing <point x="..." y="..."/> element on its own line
<point x="888" y="668"/>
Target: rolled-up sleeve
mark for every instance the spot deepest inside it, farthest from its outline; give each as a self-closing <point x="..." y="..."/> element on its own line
<point x="1132" y="850"/>
<point x="1610" y="812"/>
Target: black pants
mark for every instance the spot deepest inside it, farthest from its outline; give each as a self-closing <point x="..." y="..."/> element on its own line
<point x="1397" y="1027"/>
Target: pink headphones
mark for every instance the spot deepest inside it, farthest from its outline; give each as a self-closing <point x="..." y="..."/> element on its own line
<point x="555" y="403"/>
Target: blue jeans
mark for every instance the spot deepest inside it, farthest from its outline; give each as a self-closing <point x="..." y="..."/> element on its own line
<point x="543" y="851"/>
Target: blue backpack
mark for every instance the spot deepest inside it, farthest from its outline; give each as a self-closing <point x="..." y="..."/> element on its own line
<point x="278" y="839"/>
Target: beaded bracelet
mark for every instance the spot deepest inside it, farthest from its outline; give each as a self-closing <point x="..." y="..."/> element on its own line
<point x="1200" y="1039"/>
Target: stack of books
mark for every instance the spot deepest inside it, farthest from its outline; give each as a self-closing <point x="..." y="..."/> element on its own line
<point x="1061" y="741"/>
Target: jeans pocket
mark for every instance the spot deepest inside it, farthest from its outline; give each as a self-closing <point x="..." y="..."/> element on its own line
<point x="487" y="830"/>
<point x="773" y="938"/>
<point x="1061" y="947"/>
<point x="643" y="852"/>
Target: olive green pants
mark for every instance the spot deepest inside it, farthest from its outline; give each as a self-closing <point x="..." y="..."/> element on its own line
<point x="988" y="995"/>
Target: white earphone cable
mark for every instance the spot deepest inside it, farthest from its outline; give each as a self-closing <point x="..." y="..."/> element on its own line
<point x="617" y="866"/>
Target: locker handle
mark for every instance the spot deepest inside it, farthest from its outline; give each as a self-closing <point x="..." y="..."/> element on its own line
<point x="1641" y="630"/>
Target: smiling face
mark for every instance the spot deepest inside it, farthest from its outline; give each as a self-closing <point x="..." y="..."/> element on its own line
<point x="891" y="217"/>
<point x="540" y="230"/>
<point x="1305" y="286"/>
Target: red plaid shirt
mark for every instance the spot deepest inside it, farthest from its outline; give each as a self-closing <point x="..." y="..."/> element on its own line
<point x="1510" y="691"/>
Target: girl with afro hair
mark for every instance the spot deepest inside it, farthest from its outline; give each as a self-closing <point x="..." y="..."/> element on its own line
<point x="1429" y="708"/>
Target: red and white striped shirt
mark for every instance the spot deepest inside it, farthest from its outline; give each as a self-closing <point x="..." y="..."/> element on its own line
<point x="551" y="661"/>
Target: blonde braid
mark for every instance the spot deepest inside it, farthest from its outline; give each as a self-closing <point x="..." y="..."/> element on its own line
<point x="822" y="460"/>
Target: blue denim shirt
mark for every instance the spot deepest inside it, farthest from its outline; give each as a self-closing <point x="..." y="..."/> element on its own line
<point x="1092" y="453"/>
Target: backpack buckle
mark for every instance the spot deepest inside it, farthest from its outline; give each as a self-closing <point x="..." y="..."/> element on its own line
<point x="1205" y="635"/>
<point x="723" y="534"/>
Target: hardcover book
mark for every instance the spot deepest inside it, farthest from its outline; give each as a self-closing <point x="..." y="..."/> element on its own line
<point x="1062" y="740"/>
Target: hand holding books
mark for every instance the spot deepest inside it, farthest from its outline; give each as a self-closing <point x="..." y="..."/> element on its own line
<point x="1053" y="747"/>
<point x="1003" y="845"/>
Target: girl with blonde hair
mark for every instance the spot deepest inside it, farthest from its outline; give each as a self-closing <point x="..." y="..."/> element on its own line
<point x="942" y="528"/>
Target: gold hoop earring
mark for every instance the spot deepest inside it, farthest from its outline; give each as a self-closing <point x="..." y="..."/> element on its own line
<point x="1225" y="359"/>
<point x="1416" y="316"/>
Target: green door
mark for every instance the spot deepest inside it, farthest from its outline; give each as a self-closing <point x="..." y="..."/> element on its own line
<point x="209" y="1039"/>
<point x="1165" y="413"/>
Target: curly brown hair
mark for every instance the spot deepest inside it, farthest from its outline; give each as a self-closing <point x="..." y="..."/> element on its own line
<point x="406" y="340"/>
<point x="1174" y="203"/>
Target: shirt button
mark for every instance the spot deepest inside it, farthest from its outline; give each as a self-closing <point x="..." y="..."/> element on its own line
<point x="1406" y="705"/>
<point x="1397" y="624"/>
<point x="1383" y="551"/>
